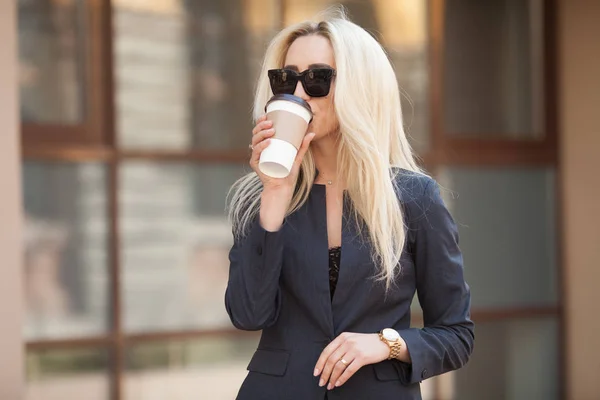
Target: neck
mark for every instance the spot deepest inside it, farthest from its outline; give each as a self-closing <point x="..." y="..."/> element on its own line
<point x="325" y="154"/>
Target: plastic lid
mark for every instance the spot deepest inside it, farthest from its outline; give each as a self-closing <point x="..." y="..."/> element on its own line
<point x="293" y="99"/>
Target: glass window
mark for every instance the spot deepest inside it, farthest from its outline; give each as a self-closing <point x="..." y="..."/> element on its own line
<point x="493" y="68"/>
<point x="65" y="260"/>
<point x="185" y="71"/>
<point x="175" y="245"/>
<point x="519" y="361"/>
<point x="507" y="225"/>
<point x="52" y="65"/>
<point x="401" y="26"/>
<point x="68" y="374"/>
<point x="209" y="368"/>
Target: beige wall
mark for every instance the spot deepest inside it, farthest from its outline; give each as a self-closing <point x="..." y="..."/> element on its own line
<point x="11" y="360"/>
<point x="580" y="128"/>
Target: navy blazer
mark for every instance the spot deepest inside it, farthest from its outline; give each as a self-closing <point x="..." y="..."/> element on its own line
<point x="278" y="283"/>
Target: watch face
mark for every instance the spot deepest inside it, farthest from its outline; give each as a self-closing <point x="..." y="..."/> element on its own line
<point x="390" y="334"/>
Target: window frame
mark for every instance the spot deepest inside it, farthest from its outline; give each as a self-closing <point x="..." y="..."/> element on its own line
<point x="95" y="139"/>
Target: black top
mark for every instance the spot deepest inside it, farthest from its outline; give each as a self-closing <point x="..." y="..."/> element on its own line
<point x="334" y="268"/>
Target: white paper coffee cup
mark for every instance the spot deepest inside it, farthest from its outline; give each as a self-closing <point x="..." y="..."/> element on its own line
<point x="290" y="116"/>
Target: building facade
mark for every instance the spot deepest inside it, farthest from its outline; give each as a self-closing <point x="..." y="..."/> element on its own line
<point x="126" y="122"/>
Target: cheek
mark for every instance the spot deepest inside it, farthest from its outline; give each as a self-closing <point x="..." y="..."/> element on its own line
<point x="325" y="111"/>
<point x="325" y="119"/>
<point x="329" y="118"/>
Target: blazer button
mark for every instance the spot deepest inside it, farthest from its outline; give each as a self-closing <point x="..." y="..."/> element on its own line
<point x="259" y="250"/>
<point x="424" y="374"/>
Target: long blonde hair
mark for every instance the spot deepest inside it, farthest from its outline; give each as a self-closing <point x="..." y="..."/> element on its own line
<point x="372" y="144"/>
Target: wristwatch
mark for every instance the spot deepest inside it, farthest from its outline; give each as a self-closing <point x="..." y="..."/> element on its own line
<point x="392" y="338"/>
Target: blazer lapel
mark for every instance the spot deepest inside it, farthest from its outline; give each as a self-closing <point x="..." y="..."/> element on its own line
<point x="355" y="256"/>
<point x="319" y="257"/>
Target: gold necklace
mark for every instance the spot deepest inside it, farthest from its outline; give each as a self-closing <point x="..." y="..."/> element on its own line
<point x="329" y="181"/>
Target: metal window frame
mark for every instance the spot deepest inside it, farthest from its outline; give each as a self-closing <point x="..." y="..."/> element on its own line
<point x="96" y="140"/>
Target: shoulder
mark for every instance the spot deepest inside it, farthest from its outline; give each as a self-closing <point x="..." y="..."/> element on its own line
<point x="412" y="186"/>
<point x="419" y="194"/>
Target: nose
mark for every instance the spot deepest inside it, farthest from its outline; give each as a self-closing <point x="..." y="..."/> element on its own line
<point x="300" y="92"/>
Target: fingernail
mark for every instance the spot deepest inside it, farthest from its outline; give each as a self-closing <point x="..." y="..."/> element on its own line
<point x="316" y="372"/>
<point x="321" y="383"/>
<point x="329" y="387"/>
<point x="312" y="135"/>
<point x="338" y="383"/>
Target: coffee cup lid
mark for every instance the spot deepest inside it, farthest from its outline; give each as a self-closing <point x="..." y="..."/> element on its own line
<point x="293" y="99"/>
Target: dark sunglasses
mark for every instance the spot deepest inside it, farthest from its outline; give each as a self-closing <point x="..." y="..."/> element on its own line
<point x="316" y="82"/>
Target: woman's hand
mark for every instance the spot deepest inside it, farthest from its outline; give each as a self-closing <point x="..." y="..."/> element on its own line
<point x="261" y="137"/>
<point x="356" y="350"/>
<point x="277" y="192"/>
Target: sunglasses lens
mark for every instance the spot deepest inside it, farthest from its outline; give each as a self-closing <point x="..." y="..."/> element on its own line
<point x="318" y="82"/>
<point x="283" y="81"/>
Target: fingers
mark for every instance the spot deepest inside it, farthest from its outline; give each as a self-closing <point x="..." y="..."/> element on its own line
<point x="331" y="356"/>
<point x="332" y="362"/>
<point x="260" y="139"/>
<point x="262" y="125"/>
<point x="262" y="135"/>
<point x="303" y="149"/>
<point x="347" y="354"/>
<point x="350" y="370"/>
<point x="331" y="347"/>
<point x="257" y="150"/>
<point x="340" y="367"/>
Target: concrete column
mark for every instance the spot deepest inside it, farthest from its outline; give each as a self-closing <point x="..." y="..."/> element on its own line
<point x="11" y="345"/>
<point x="579" y="97"/>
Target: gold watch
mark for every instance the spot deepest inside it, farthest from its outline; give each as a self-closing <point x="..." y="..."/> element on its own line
<point x="392" y="338"/>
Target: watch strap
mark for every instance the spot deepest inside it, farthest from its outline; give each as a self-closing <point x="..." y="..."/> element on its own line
<point x="394" y="346"/>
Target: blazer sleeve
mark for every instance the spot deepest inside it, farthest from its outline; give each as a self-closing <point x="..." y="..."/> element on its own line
<point x="446" y="341"/>
<point x="252" y="298"/>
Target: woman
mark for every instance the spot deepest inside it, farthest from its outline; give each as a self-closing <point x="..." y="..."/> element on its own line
<point x="326" y="261"/>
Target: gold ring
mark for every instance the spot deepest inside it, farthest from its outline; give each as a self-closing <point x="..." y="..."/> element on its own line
<point x="343" y="361"/>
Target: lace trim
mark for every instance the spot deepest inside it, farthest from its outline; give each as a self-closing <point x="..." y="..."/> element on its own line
<point x="334" y="268"/>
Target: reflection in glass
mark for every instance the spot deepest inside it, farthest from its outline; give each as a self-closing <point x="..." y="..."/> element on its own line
<point x="507" y="225"/>
<point x="65" y="260"/>
<point x="493" y="68"/>
<point x="401" y="26"/>
<point x="51" y="66"/>
<point x="208" y="368"/>
<point x="185" y="71"/>
<point x="68" y="374"/>
<point x="520" y="361"/>
<point x="175" y="246"/>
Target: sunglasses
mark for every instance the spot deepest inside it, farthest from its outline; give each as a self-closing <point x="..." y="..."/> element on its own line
<point x="316" y="82"/>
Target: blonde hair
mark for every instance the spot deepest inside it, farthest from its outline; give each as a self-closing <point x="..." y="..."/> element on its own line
<point x="372" y="144"/>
